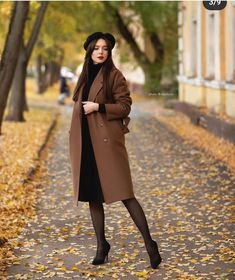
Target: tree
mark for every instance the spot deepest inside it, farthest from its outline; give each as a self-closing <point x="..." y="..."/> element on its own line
<point x="64" y="29"/>
<point x="18" y="95"/>
<point x="159" y="23"/>
<point x="11" y="51"/>
<point x="51" y="58"/>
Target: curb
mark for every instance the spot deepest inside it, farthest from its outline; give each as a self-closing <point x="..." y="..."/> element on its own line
<point x="32" y="170"/>
<point x="212" y="123"/>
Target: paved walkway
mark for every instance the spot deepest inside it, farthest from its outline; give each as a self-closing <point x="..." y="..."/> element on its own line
<point x="186" y="195"/>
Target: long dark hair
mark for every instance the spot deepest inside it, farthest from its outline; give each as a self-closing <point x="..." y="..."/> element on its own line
<point x="107" y="66"/>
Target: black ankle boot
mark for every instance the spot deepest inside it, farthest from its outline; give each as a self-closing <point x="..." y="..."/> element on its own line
<point x="101" y="255"/>
<point x="154" y="256"/>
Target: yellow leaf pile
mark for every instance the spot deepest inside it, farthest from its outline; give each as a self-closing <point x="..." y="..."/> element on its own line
<point x="19" y="147"/>
<point x="219" y="148"/>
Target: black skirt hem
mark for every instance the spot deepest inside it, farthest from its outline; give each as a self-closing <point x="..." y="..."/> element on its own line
<point x="83" y="200"/>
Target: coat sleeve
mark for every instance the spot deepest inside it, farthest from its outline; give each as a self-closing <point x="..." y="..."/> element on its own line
<point x="122" y="100"/>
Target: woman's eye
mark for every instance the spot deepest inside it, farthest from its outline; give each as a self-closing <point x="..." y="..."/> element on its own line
<point x="96" y="48"/>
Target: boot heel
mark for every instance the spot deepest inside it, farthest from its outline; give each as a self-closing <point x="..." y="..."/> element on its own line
<point x="101" y="255"/>
<point x="154" y="255"/>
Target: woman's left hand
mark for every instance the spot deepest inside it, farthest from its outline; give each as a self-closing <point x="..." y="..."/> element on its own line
<point x="90" y="107"/>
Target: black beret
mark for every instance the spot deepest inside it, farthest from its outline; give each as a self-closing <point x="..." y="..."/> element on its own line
<point x="98" y="35"/>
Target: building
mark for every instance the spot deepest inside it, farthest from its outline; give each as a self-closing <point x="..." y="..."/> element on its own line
<point x="207" y="56"/>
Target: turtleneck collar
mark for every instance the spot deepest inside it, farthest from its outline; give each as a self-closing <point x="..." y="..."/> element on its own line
<point x="95" y="65"/>
<point x="93" y="70"/>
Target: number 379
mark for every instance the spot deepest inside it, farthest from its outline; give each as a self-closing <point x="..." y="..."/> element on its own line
<point x="214" y="2"/>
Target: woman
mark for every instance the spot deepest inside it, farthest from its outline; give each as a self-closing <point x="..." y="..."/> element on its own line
<point x="99" y="160"/>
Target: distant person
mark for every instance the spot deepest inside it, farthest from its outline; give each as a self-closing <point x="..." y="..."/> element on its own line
<point x="99" y="160"/>
<point x="64" y="89"/>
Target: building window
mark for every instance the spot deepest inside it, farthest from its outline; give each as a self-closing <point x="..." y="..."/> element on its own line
<point x="233" y="43"/>
<point x="194" y="48"/>
<point x="210" y="51"/>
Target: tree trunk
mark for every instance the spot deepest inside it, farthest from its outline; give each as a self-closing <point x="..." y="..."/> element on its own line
<point x="55" y="72"/>
<point x="153" y="76"/>
<point x="18" y="92"/>
<point x="11" y="51"/>
<point x="49" y="73"/>
<point x="39" y="74"/>
<point x="17" y="99"/>
<point x="152" y="70"/>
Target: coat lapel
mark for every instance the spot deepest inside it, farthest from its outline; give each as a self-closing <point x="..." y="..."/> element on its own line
<point x="96" y="85"/>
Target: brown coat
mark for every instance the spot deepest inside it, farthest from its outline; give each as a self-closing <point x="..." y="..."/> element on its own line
<point x="107" y="132"/>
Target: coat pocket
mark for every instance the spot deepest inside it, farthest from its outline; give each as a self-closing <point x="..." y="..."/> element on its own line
<point x="116" y="127"/>
<point x="125" y="123"/>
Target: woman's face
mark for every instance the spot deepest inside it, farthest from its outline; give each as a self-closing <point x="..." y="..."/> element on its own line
<point x="100" y="52"/>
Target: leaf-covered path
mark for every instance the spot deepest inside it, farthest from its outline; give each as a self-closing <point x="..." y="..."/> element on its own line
<point x="186" y="195"/>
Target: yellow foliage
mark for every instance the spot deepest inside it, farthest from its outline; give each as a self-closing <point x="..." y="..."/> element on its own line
<point x="20" y="144"/>
<point x="5" y="9"/>
<point x="220" y="149"/>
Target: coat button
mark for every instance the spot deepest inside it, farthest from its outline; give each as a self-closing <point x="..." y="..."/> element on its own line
<point x="105" y="139"/>
<point x="101" y="124"/>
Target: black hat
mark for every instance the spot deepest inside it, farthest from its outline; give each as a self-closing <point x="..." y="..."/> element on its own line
<point x="98" y="35"/>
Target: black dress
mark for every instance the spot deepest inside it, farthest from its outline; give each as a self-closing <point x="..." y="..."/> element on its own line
<point x="90" y="187"/>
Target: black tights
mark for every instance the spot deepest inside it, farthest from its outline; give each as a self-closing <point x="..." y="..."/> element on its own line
<point x="136" y="212"/>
